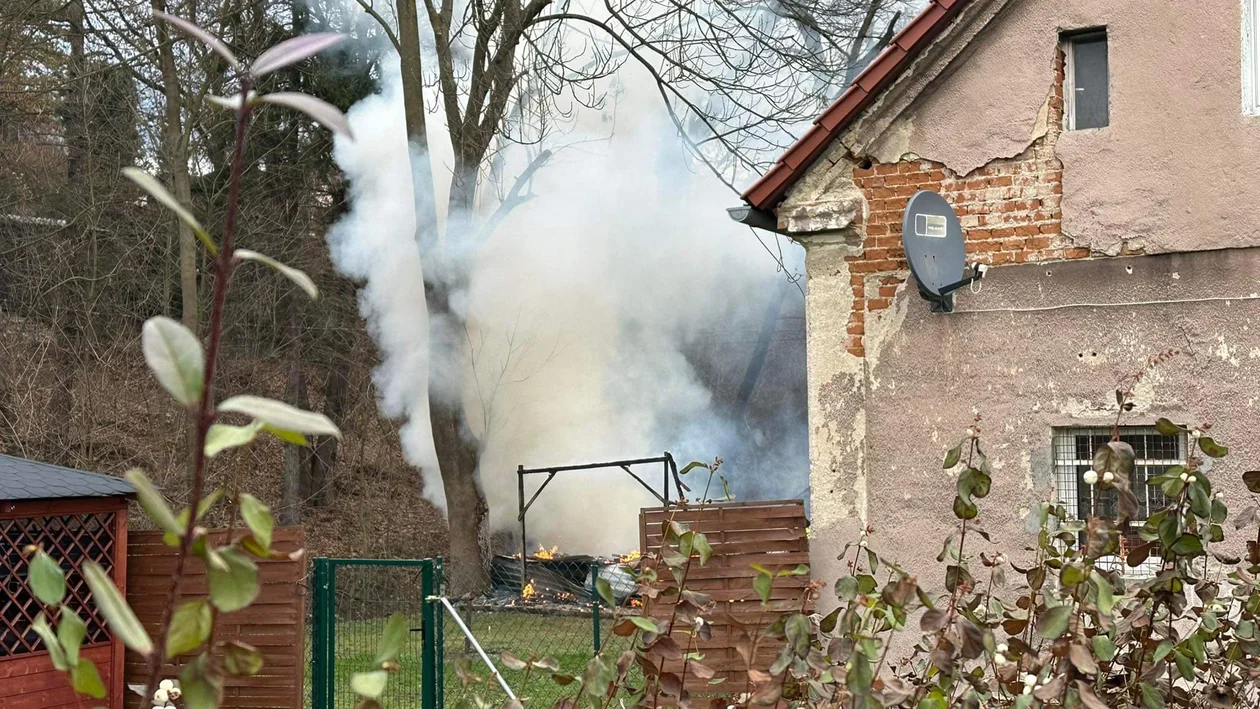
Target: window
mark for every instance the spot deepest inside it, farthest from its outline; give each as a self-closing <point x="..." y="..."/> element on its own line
<point x="1085" y="89"/>
<point x="1153" y="454"/>
<point x="1251" y="57"/>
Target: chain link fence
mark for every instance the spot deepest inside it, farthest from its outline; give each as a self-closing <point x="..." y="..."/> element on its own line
<point x="545" y="609"/>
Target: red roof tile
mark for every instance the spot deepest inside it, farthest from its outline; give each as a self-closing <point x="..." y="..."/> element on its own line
<point x="901" y="51"/>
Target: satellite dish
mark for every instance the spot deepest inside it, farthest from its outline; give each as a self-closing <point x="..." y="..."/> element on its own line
<point x="933" y="240"/>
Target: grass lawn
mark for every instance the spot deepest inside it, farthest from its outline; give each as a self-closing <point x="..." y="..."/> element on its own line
<point x="568" y="639"/>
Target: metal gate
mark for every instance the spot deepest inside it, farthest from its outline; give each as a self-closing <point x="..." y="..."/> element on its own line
<point x="557" y="614"/>
<point x="352" y="600"/>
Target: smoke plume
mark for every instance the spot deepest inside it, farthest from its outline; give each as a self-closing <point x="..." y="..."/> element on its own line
<point x="612" y="315"/>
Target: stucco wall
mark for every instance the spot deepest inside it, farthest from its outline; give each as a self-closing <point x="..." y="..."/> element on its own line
<point x="1177" y="166"/>
<point x="1026" y="356"/>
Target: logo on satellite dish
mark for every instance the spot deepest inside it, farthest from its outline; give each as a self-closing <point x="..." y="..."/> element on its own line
<point x="933" y="241"/>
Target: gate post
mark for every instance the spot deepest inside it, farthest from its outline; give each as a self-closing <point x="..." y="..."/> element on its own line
<point x="431" y="677"/>
<point x="321" y="641"/>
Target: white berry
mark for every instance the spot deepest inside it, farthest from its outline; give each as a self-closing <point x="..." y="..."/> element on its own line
<point x="1030" y="679"/>
<point x="1002" y="648"/>
<point x="1108" y="476"/>
<point x="1185" y="478"/>
<point x="1090" y="477"/>
<point x="1191" y="479"/>
<point x="999" y="659"/>
<point x="166" y="684"/>
<point x="160" y="696"/>
<point x="1220" y="495"/>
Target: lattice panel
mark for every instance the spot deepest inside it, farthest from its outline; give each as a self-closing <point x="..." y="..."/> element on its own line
<point x="70" y="539"/>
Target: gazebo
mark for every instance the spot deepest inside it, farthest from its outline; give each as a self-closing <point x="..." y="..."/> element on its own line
<point x="76" y="517"/>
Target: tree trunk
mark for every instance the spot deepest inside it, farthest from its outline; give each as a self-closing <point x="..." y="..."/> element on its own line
<point x="176" y="160"/>
<point x="468" y="561"/>
<point x="296" y="458"/>
<point x="318" y="488"/>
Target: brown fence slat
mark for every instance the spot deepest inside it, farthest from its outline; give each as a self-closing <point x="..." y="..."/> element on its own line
<point x="274" y="623"/>
<point x="769" y="534"/>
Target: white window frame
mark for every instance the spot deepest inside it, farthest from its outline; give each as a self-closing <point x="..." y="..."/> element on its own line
<point x="1067" y="45"/>
<point x="1251" y="57"/>
<point x="1066" y="482"/>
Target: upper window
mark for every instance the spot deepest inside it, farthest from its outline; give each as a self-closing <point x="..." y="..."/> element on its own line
<point x="1251" y="57"/>
<point x="1085" y="90"/>
<point x="1153" y="454"/>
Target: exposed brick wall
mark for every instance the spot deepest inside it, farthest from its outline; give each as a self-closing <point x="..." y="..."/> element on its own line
<point x="1009" y="209"/>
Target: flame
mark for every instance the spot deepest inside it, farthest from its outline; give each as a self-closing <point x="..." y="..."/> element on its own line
<point x="636" y="603"/>
<point x="544" y="553"/>
<point x="632" y="557"/>
<point x="528" y="592"/>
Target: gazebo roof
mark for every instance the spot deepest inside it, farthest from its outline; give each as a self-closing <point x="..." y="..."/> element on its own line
<point x="22" y="479"/>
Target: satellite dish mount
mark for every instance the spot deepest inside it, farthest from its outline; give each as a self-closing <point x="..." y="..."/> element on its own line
<point x="933" y="240"/>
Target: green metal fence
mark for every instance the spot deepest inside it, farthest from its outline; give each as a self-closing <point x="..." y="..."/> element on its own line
<point x="545" y="608"/>
<point x="353" y="599"/>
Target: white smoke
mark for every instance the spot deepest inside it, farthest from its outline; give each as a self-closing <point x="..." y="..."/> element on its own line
<point x="582" y="308"/>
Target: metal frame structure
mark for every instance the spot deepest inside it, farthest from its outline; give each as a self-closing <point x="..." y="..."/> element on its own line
<point x="666" y="461"/>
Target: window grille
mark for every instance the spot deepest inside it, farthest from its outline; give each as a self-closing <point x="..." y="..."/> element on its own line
<point x="70" y="539"/>
<point x="1086" y="91"/>
<point x="1153" y="454"/>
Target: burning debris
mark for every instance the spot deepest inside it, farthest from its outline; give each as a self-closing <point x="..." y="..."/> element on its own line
<point x="556" y="581"/>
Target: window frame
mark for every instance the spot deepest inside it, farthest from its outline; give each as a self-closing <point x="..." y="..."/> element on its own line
<point x="1250" y="33"/>
<point x="1067" y="479"/>
<point x="1067" y="44"/>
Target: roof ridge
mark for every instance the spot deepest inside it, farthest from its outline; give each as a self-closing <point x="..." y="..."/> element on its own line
<point x="902" y="49"/>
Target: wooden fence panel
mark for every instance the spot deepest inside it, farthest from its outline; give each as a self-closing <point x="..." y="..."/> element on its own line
<point x="769" y="534"/>
<point x="275" y="623"/>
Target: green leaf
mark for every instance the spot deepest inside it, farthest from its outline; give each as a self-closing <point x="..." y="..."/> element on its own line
<point x="846" y="588"/>
<point x="392" y="639"/>
<point x="46" y="578"/>
<point x="1106" y="594"/>
<point x="762" y="584"/>
<point x="1072" y="575"/>
<point x="114" y="607"/>
<point x="153" y="503"/>
<point x="512" y="662"/>
<point x="797" y="628"/>
<point x="257" y="517"/>
<point x="293" y="50"/>
<point x="174" y="355"/>
<point x="1251" y="479"/>
<point x="241" y="660"/>
<point x="1167" y="428"/>
<point x="964" y="509"/>
<point x="369" y="684"/>
<point x="293" y="437"/>
<point x="221" y="436"/>
<point x="55" y="651"/>
<point x="1188" y="545"/>
<point x="1211" y="448"/>
<point x="1151" y="698"/>
<point x="325" y="113"/>
<point x="71" y="630"/>
<point x="700" y="544"/>
<point x="214" y="43"/>
<point x="604" y="589"/>
<point x="952" y="457"/>
<point x="646" y="624"/>
<point x="149" y="184"/>
<point x="1104" y="648"/>
<point x="190" y="627"/>
<point x="237" y="586"/>
<point x="86" y="680"/>
<point x="198" y="687"/>
<point x="171" y="539"/>
<point x="281" y="415"/>
<point x="298" y="277"/>
<point x="1053" y="622"/>
<point x="692" y="466"/>
<point x="1200" y="503"/>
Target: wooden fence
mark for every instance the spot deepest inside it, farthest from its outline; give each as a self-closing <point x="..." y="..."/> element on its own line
<point x="769" y="534"/>
<point x="275" y="623"/>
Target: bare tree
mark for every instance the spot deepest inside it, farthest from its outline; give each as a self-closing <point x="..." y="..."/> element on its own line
<point x="734" y="77"/>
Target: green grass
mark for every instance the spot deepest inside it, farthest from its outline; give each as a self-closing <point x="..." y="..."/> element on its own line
<point x="568" y="639"/>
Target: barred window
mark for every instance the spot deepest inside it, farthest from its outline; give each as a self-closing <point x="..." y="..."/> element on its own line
<point x="1153" y="454"/>
<point x="72" y="540"/>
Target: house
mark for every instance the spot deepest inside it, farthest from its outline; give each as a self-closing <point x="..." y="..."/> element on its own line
<point x="1104" y="158"/>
